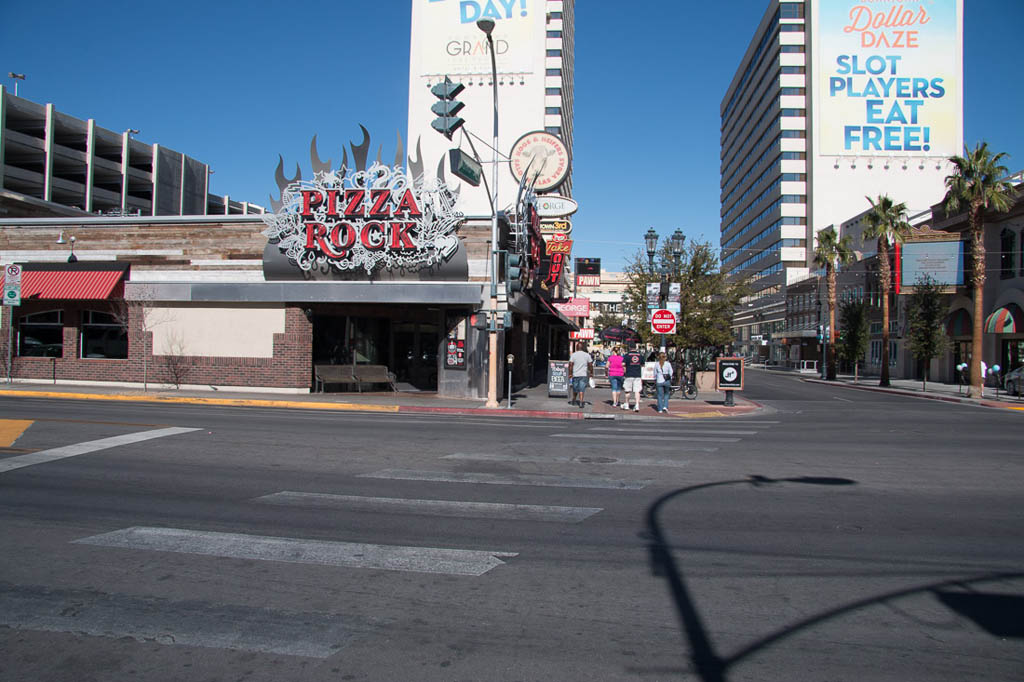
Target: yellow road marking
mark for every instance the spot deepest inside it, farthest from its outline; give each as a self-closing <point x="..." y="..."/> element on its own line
<point x="231" y="402"/>
<point x="11" y="430"/>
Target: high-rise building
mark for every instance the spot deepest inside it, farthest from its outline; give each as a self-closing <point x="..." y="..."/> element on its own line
<point x="53" y="164"/>
<point x="534" y="59"/>
<point x="833" y="101"/>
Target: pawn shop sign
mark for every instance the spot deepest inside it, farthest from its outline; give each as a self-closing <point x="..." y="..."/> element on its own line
<point x="663" y="322"/>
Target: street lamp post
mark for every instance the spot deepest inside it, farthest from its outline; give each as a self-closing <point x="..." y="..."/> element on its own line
<point x="487" y="26"/>
<point x="17" y="77"/>
<point x="651" y="244"/>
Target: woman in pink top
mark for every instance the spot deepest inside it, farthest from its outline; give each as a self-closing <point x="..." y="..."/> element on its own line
<point x="615" y="372"/>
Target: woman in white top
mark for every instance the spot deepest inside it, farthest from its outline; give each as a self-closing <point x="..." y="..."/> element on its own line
<point x="663" y="379"/>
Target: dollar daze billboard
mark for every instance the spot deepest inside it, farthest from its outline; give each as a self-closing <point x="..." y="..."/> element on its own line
<point x="888" y="77"/>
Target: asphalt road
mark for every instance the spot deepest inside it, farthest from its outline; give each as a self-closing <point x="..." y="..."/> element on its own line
<point x="837" y="535"/>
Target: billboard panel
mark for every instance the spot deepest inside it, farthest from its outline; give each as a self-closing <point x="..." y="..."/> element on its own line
<point x="888" y="77"/>
<point x="943" y="262"/>
<point x="457" y="47"/>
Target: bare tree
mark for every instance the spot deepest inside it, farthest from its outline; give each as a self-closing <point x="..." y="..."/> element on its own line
<point x="176" y="361"/>
<point x="137" y="319"/>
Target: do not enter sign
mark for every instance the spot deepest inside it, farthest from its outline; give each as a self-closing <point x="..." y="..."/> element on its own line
<point x="663" y="322"/>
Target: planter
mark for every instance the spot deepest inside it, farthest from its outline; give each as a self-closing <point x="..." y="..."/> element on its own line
<point x="706" y="381"/>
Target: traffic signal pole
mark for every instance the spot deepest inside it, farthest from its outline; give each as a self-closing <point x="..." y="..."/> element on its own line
<point x="492" y="367"/>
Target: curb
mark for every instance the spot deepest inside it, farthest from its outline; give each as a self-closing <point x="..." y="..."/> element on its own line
<point x="909" y="394"/>
<point x="489" y="412"/>
<point x="390" y="409"/>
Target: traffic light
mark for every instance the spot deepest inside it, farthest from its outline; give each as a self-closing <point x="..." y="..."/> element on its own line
<point x="447" y="109"/>
<point x="479" y="320"/>
<point x="514" y="273"/>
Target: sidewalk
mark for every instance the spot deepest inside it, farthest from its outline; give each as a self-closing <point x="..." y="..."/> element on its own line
<point x="527" y="402"/>
<point x="933" y="391"/>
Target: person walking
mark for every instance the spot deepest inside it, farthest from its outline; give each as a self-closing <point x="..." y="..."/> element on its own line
<point x="616" y="373"/>
<point x="582" y="366"/>
<point x="634" y="365"/>
<point x="663" y="381"/>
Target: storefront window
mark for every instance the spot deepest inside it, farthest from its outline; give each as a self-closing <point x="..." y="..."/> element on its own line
<point x="102" y="336"/>
<point x="1007" y="253"/>
<point x="41" y="335"/>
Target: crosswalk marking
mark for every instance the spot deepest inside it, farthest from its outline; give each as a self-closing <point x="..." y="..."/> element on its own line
<point x="578" y="459"/>
<point x="146" y="619"/>
<point x="485" y="510"/>
<point x="694" y="431"/>
<point x="468" y="562"/>
<point x="44" y="456"/>
<point x="645" y="436"/>
<point x="507" y="479"/>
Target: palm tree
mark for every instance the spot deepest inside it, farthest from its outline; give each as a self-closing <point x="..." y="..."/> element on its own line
<point x="977" y="184"/>
<point x="830" y="252"/>
<point x="887" y="222"/>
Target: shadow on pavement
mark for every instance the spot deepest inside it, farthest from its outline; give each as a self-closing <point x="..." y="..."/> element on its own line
<point x="997" y="614"/>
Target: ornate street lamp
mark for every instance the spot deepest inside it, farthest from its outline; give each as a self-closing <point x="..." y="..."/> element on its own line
<point x="677" y="244"/>
<point x="651" y="242"/>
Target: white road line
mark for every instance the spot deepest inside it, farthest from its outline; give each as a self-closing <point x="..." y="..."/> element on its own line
<point x="645" y="436"/>
<point x="323" y="552"/>
<point x="482" y="510"/>
<point x="188" y="623"/>
<point x="44" y="456"/>
<point x="506" y="479"/>
<point x="579" y="459"/>
<point x="845" y="400"/>
<point x="693" y="430"/>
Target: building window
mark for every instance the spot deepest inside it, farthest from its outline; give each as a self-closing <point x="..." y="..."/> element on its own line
<point x="1007" y="253"/>
<point x="793" y="48"/>
<point x="41" y="335"/>
<point x="876" y="353"/>
<point x="791" y="28"/>
<point x="102" y="336"/>
<point x="794" y="156"/>
<point x="557" y="92"/>
<point x="795" y="134"/>
<point x="792" y="69"/>
<point x="793" y="112"/>
<point x="791" y="10"/>
<point x="793" y="91"/>
<point x="554" y="53"/>
<point x="554" y="130"/>
<point x="554" y="34"/>
<point x="553" y="72"/>
<point x="554" y="111"/>
<point x="554" y="15"/>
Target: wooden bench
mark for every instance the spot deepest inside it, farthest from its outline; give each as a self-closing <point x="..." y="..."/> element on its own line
<point x="352" y="374"/>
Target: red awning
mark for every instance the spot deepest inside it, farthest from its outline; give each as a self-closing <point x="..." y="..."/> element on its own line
<point x="89" y="285"/>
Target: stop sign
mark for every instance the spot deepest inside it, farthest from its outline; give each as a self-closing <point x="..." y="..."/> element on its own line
<point x="663" y="322"/>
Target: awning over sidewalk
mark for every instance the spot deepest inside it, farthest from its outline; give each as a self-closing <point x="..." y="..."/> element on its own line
<point x="559" y="318"/>
<point x="92" y="281"/>
<point x="1006" y="320"/>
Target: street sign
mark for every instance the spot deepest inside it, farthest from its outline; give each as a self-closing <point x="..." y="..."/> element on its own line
<point x="663" y="322"/>
<point x="729" y="374"/>
<point x="12" y="284"/>
<point x="465" y="167"/>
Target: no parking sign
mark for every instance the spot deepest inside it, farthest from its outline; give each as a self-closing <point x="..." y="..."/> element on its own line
<point x="12" y="284"/>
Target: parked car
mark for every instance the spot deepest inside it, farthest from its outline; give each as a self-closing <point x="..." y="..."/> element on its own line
<point x="1013" y="382"/>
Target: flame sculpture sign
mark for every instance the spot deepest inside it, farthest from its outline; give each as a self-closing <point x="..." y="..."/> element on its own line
<point x="372" y="219"/>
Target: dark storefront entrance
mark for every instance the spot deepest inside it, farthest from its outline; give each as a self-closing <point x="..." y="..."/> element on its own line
<point x="406" y="342"/>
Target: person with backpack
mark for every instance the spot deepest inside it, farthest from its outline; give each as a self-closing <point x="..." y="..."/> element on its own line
<point x="634" y="365"/>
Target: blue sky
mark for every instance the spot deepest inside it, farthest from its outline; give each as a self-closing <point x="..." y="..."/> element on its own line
<point x="234" y="84"/>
